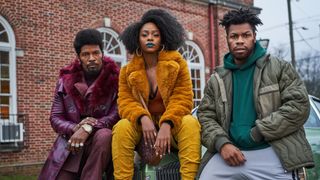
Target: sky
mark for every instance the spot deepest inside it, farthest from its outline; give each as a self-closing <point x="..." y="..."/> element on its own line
<point x="306" y="27"/>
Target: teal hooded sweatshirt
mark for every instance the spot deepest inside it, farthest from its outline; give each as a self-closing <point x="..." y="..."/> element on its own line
<point x="243" y="110"/>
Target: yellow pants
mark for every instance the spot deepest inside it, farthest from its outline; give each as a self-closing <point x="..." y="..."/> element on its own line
<point x="125" y="137"/>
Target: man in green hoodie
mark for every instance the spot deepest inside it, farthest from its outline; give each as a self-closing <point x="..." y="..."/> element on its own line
<point x="253" y="111"/>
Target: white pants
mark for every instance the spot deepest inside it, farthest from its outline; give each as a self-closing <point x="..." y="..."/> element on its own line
<point x="260" y="164"/>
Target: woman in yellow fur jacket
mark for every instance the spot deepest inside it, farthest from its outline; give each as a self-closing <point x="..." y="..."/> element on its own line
<point x="155" y="96"/>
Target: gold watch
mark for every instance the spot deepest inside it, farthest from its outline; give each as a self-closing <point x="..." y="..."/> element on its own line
<point x="87" y="128"/>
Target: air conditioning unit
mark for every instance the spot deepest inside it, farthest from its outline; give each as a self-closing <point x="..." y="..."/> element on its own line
<point x="11" y="132"/>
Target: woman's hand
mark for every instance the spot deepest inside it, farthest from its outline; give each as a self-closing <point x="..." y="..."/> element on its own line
<point x="163" y="140"/>
<point x="148" y="130"/>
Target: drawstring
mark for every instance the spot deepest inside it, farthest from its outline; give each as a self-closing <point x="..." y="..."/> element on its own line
<point x="295" y="174"/>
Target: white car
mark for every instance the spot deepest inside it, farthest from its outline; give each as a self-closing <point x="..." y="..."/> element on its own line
<point x="312" y="129"/>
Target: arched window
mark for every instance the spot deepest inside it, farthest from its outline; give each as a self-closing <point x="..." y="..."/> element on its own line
<point x="193" y="54"/>
<point x="8" y="92"/>
<point x="112" y="47"/>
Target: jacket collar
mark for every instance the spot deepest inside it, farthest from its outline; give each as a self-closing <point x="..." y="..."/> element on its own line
<point x="262" y="61"/>
<point x="167" y="72"/>
<point x="222" y="71"/>
<point x="102" y="89"/>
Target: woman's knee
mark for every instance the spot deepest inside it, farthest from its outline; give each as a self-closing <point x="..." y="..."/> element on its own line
<point x="191" y="122"/>
<point x="122" y="125"/>
<point x="124" y="130"/>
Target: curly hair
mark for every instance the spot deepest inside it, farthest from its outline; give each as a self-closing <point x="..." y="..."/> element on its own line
<point x="171" y="31"/>
<point x="239" y="17"/>
<point x="87" y="37"/>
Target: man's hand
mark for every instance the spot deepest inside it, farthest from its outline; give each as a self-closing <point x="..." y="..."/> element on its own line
<point x="232" y="155"/>
<point x="148" y="130"/>
<point x="163" y="140"/>
<point x="88" y="120"/>
<point x="77" y="140"/>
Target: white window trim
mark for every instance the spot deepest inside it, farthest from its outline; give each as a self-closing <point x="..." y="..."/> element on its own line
<point x="122" y="58"/>
<point x="200" y="65"/>
<point x="10" y="47"/>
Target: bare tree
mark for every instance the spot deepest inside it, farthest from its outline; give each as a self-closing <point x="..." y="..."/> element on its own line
<point x="280" y="51"/>
<point x="308" y="67"/>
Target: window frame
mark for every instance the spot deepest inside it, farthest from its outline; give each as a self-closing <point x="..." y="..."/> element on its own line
<point x="122" y="58"/>
<point x="10" y="47"/>
<point x="196" y="66"/>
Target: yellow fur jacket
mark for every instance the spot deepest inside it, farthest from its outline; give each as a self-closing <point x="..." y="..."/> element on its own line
<point x="174" y="85"/>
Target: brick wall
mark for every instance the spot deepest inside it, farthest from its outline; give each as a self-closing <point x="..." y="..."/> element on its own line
<point x="44" y="30"/>
<point x="247" y="2"/>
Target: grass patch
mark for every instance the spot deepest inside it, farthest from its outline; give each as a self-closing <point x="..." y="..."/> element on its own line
<point x="18" y="177"/>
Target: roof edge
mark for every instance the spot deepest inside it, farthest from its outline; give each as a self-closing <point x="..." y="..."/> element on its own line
<point x="230" y="4"/>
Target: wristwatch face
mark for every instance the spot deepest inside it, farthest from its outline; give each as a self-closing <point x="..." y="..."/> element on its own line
<point x="87" y="128"/>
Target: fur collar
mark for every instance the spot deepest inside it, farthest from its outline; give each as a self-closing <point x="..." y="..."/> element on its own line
<point x="104" y="88"/>
<point x="167" y="71"/>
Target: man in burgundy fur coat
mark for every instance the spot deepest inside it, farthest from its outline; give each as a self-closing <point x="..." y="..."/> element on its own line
<point x="83" y="113"/>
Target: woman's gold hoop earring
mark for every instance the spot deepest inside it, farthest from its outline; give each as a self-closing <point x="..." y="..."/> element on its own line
<point x="137" y="52"/>
<point x="163" y="48"/>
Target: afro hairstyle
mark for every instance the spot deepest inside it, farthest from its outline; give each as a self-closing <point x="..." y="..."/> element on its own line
<point x="171" y="31"/>
<point x="87" y="37"/>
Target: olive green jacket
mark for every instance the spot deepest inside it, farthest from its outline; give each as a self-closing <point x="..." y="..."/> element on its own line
<point x="282" y="106"/>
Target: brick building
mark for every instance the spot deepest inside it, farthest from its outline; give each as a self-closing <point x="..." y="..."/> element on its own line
<point x="36" y="40"/>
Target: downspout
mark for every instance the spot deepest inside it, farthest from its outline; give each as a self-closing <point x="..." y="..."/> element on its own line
<point x="212" y="38"/>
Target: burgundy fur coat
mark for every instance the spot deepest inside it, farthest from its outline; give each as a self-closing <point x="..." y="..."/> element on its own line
<point x="70" y="101"/>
